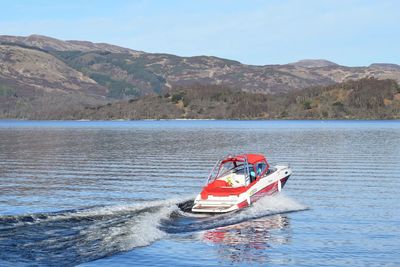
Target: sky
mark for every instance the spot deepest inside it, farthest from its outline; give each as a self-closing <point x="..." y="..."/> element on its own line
<point x="348" y="32"/>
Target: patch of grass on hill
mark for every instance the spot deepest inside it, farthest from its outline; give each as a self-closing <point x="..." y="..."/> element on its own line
<point x="6" y="90"/>
<point x="117" y="88"/>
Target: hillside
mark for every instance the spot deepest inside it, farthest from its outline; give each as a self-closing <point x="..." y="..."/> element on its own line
<point x="43" y="77"/>
<point x="362" y="99"/>
<point x="29" y="70"/>
<point x="125" y="73"/>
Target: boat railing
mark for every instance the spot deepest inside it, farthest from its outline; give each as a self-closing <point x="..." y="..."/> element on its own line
<point x="212" y="173"/>
<point x="247" y="171"/>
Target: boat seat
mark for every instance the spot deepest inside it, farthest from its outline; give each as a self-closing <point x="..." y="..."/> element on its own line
<point x="221" y="187"/>
<point x="233" y="180"/>
<point x="222" y="191"/>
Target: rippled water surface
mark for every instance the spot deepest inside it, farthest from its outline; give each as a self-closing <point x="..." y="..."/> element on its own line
<point x="107" y="193"/>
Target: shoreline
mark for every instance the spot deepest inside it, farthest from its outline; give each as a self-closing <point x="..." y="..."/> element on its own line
<point x="182" y="119"/>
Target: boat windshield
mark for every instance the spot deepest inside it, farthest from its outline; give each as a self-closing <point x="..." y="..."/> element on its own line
<point x="238" y="167"/>
<point x="229" y="167"/>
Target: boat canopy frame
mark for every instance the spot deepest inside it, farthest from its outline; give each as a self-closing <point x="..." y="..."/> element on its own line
<point x="216" y="169"/>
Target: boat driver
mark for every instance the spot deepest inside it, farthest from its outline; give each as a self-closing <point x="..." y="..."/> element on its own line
<point x="252" y="176"/>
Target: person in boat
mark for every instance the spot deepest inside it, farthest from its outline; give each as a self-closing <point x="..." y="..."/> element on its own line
<point x="252" y="175"/>
<point x="237" y="178"/>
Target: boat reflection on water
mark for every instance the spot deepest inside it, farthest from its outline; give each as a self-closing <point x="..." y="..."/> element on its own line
<point x="249" y="240"/>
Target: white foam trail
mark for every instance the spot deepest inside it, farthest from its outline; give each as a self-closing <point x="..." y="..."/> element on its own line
<point x="94" y="211"/>
<point x="104" y="229"/>
<point x="265" y="206"/>
<point x="137" y="232"/>
<point x="141" y="231"/>
<point x="119" y="228"/>
<point x="147" y="230"/>
<point x="278" y="203"/>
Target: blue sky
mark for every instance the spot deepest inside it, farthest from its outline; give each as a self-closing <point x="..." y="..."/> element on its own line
<point x="349" y="32"/>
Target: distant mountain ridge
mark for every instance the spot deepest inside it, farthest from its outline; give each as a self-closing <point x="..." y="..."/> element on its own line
<point x="49" y="43"/>
<point x="46" y="73"/>
<point x="314" y="63"/>
<point x="385" y="66"/>
<point x="120" y="72"/>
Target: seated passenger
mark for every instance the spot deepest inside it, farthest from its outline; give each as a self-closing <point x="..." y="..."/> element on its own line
<point x="236" y="180"/>
<point x="252" y="176"/>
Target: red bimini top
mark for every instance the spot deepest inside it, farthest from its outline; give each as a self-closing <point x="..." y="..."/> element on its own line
<point x="251" y="158"/>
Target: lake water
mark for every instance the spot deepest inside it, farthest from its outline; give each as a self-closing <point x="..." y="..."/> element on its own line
<point x="106" y="193"/>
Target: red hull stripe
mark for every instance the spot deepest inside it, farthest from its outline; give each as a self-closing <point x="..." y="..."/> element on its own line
<point x="243" y="204"/>
<point x="269" y="190"/>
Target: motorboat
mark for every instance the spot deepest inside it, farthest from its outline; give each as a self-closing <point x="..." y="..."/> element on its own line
<point x="236" y="182"/>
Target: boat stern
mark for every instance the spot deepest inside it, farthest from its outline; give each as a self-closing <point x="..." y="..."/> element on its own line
<point x="215" y="204"/>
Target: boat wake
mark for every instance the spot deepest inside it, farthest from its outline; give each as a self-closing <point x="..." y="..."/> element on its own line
<point x="183" y="220"/>
<point x="74" y="236"/>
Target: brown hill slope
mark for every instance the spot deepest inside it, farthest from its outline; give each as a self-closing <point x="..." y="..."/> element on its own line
<point x="29" y="71"/>
<point x="35" y="84"/>
<point x="128" y="73"/>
